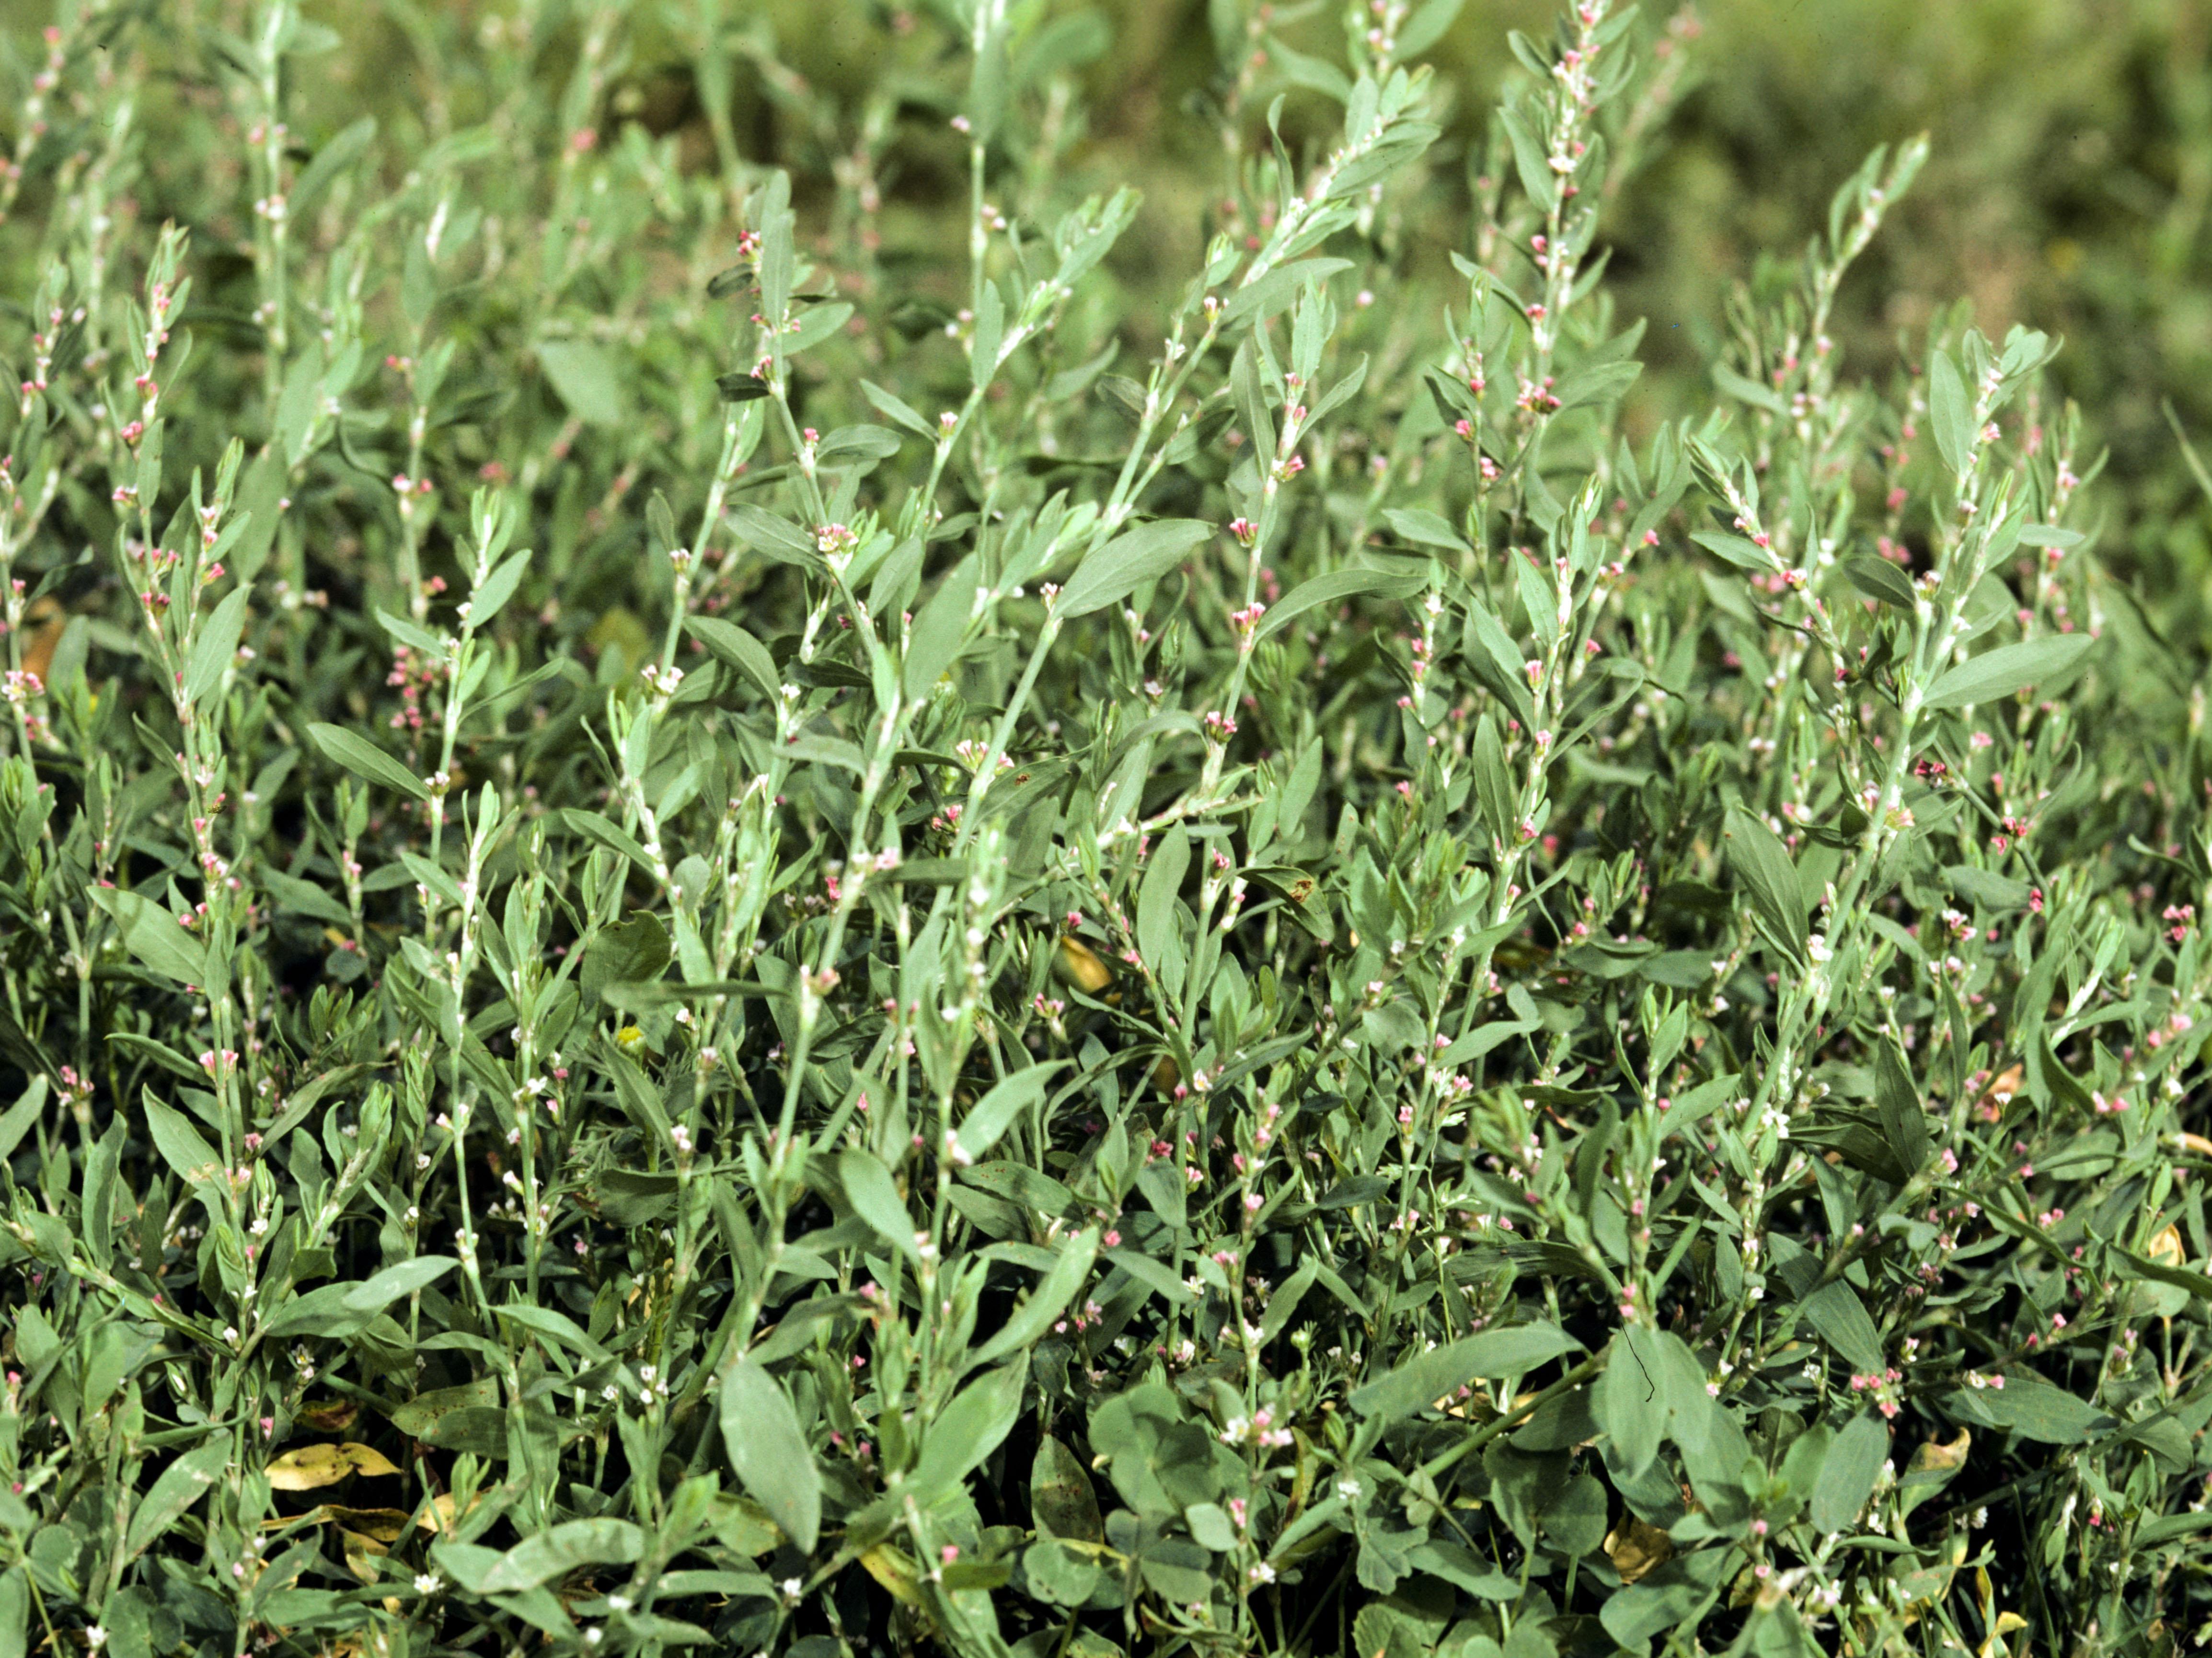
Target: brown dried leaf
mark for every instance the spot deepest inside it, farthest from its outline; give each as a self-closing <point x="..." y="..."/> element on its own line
<point x="331" y="1417"/>
<point x="385" y="1525"/>
<point x="2003" y="1086"/>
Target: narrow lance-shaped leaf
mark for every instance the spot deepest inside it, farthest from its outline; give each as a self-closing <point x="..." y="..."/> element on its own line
<point x="2007" y="669"/>
<point x="1763" y="864"/>
<point x="1112" y="572"/>
<point x="365" y="759"/>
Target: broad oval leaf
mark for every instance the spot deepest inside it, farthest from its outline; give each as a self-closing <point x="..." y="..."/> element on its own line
<point x="1848" y="1473"/>
<point x="770" y="1452"/>
<point x="557" y="1552"/>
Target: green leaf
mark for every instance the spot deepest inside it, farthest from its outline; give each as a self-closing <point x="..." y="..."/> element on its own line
<point x="217" y="647"/>
<point x="1763" y="864"/>
<point x="557" y="1552"/>
<point x="2137" y="1266"/>
<point x="1061" y="1499"/>
<point x="1110" y="573"/>
<point x="1880" y="579"/>
<point x="1156" y="1276"/>
<point x="990" y="331"/>
<point x="464" y="1418"/>
<point x="303" y="897"/>
<point x="1630" y="1399"/>
<point x="23" y="1116"/>
<point x="1156" y="899"/>
<point x="875" y="1198"/>
<point x="584" y="376"/>
<point x="181" y="1145"/>
<point x="338" y="153"/>
<point x="775" y="538"/>
<point x="967" y="1430"/>
<point x="375" y="1294"/>
<point x="154" y="935"/>
<point x="1331" y="589"/>
<point x="1537" y="178"/>
<point x="1427" y="27"/>
<point x="2035" y="1409"/>
<point x="1740" y="550"/>
<point x="1836" y="1312"/>
<point x="894" y="407"/>
<point x="1904" y="1123"/>
<point x="1424" y="528"/>
<point x="1950" y="411"/>
<point x="488" y="599"/>
<point x="2007" y="669"/>
<point x="770" y="1452"/>
<point x="1848" y="1473"/>
<point x="366" y="760"/>
<point x="994" y="1114"/>
<point x="1415" y="1385"/>
<point x="1264" y="295"/>
<point x="935" y="640"/>
<point x="732" y="646"/>
<point x="559" y="1327"/>
<point x="1574" y="1517"/>
<point x="1315" y="74"/>
<point x="179" y="1485"/>
<point x="16" y="1591"/>
<point x="634" y="950"/>
<point x="1070" y="1270"/>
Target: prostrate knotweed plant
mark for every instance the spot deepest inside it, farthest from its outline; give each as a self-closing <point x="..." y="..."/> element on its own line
<point x="706" y="947"/>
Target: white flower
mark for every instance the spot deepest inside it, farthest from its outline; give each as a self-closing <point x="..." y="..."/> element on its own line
<point x="1348" y="1488"/>
<point x="96" y="1637"/>
<point x="791" y="1588"/>
<point x="620" y="1602"/>
<point x="428" y="1582"/>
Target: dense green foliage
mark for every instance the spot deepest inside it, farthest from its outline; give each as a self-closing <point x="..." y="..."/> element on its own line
<point x="742" y="913"/>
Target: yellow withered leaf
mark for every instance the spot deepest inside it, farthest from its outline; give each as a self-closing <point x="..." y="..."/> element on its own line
<point x="361" y="1554"/>
<point x="1637" y="1549"/>
<point x="332" y="1416"/>
<point x="2166" y="1248"/>
<point x="313" y="1467"/>
<point x="438" y="1515"/>
<point x="894" y="1570"/>
<point x="1081" y="968"/>
<point x="1929" y="1455"/>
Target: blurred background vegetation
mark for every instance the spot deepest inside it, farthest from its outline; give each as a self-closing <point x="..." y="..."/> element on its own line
<point x="2068" y="187"/>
